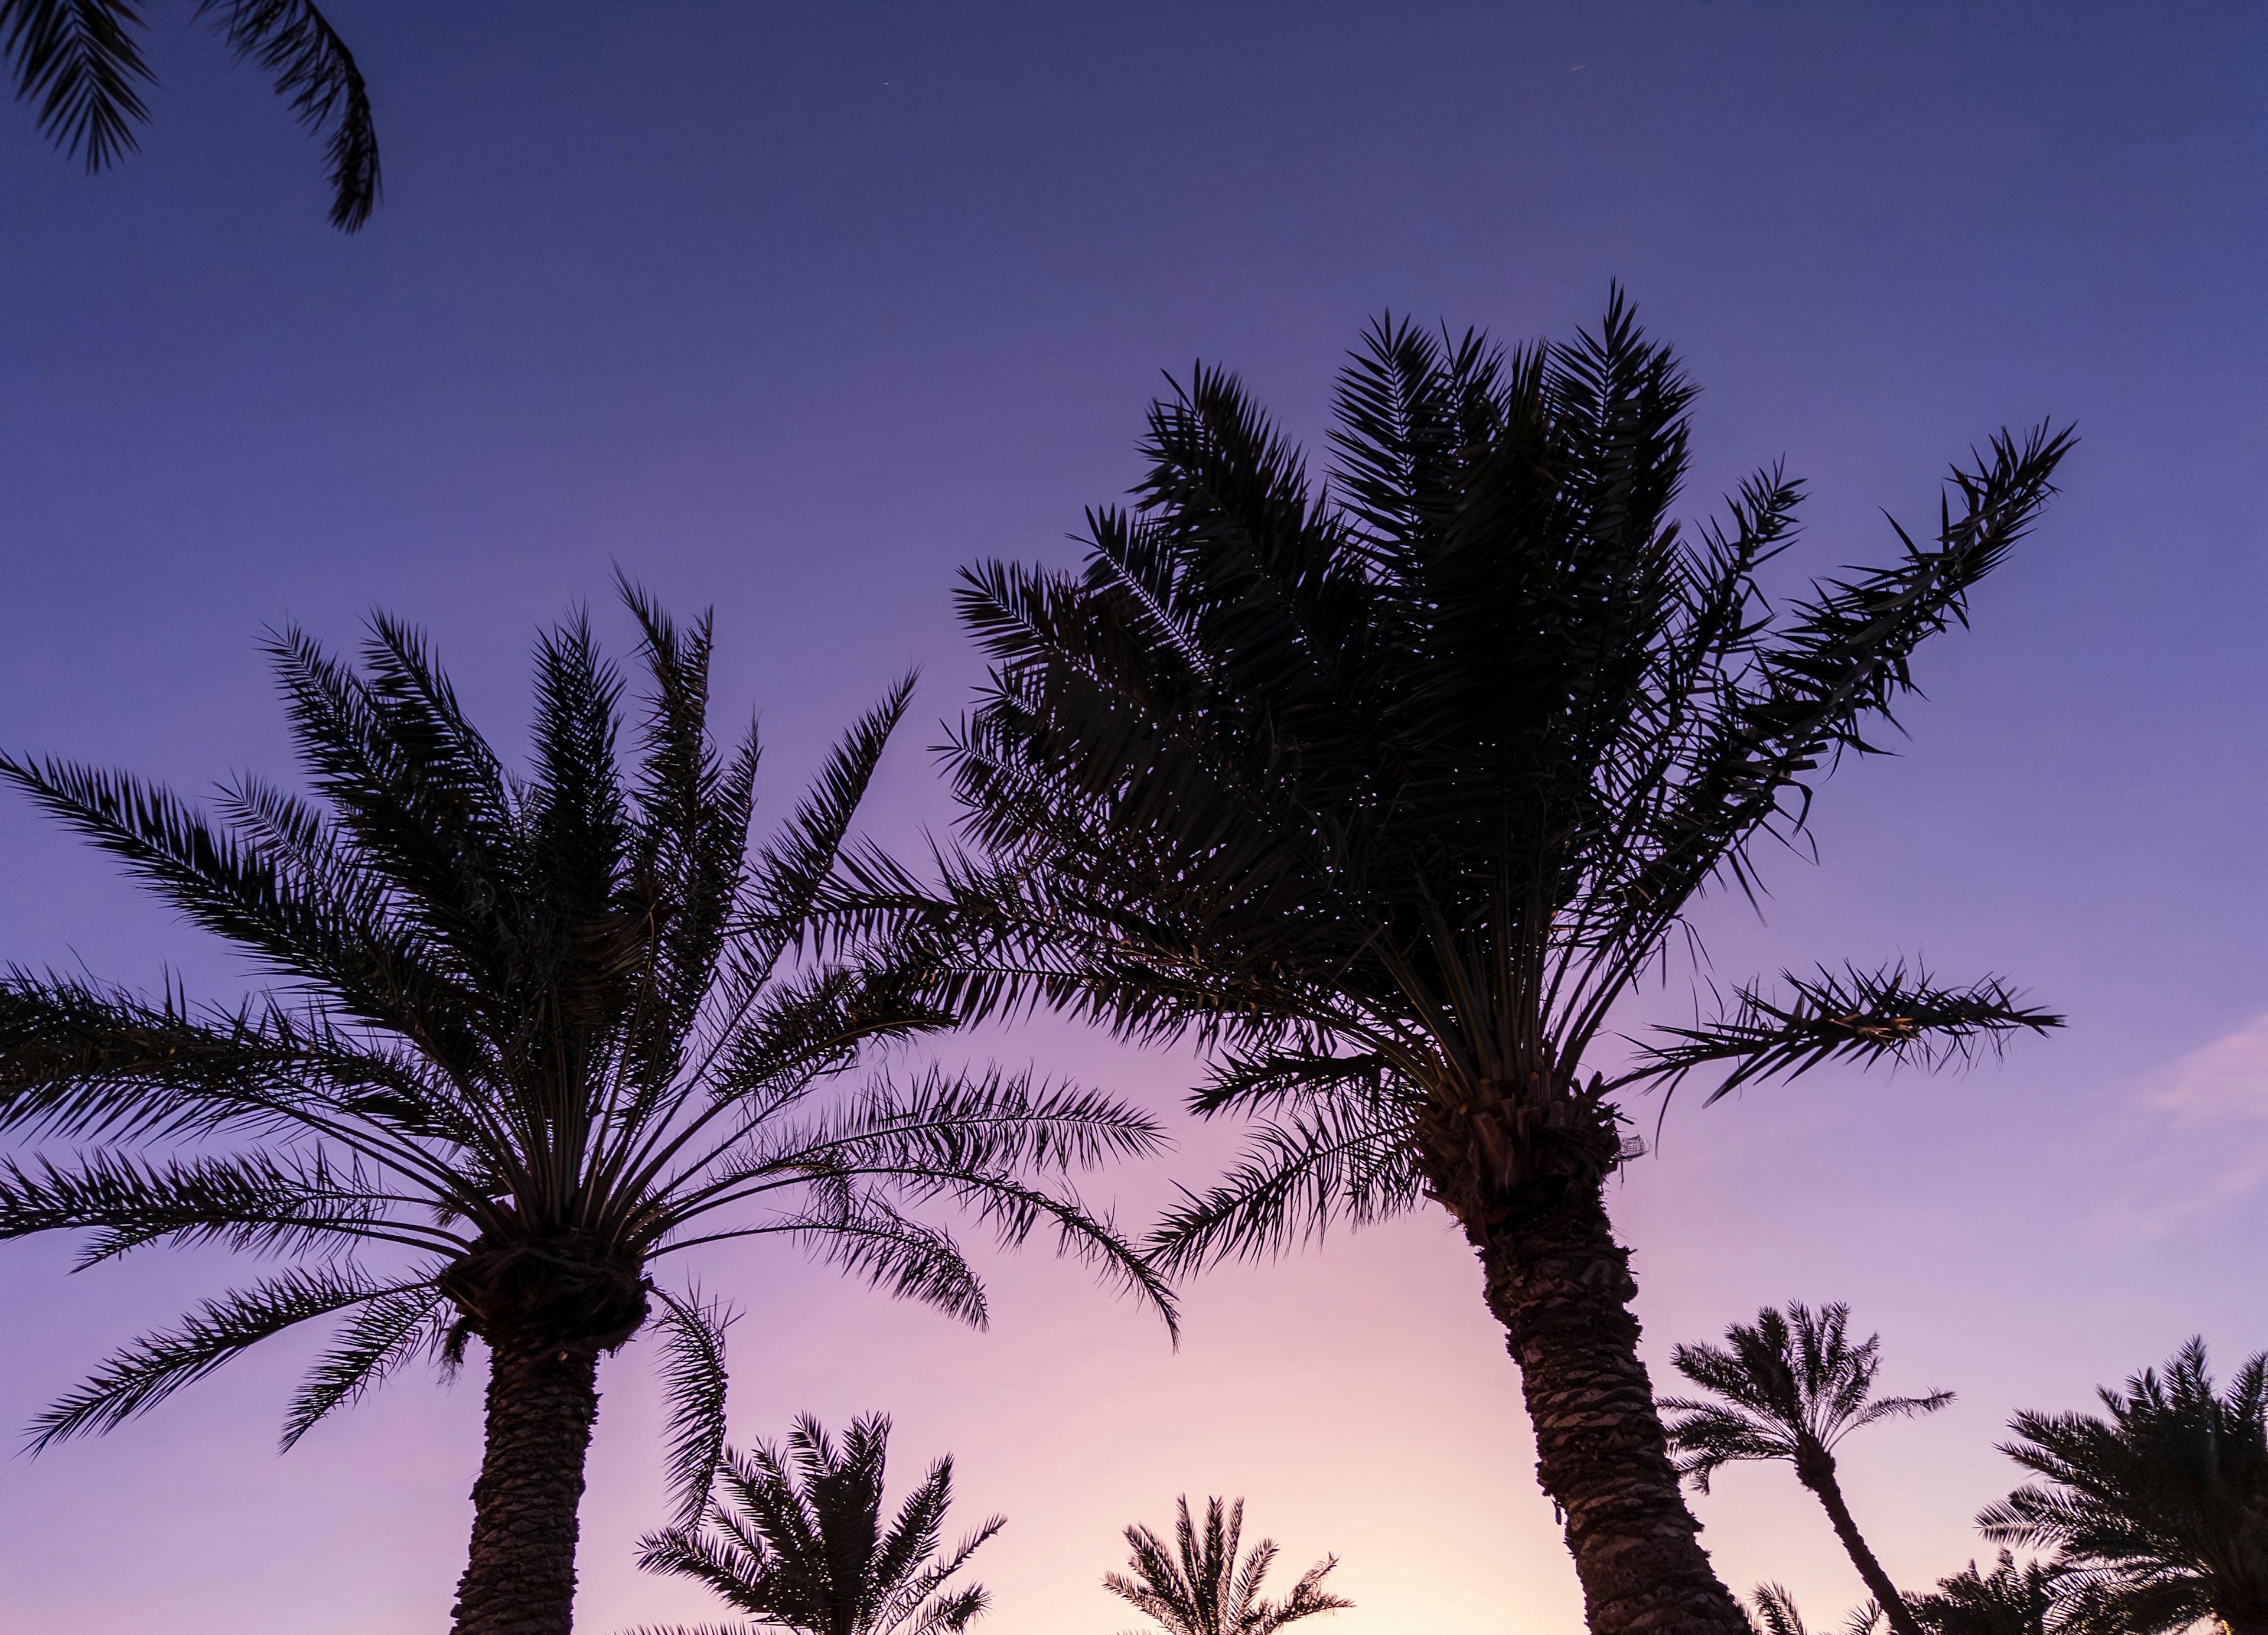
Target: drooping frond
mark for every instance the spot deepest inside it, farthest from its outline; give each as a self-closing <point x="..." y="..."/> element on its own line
<point x="79" y="59"/>
<point x="694" y="1380"/>
<point x="384" y="1332"/>
<point x="145" y="1374"/>
<point x="299" y="48"/>
<point x="1351" y="1164"/>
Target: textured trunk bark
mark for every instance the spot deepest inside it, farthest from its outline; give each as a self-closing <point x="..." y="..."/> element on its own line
<point x="1822" y="1482"/>
<point x="520" y="1579"/>
<point x="1561" y="1286"/>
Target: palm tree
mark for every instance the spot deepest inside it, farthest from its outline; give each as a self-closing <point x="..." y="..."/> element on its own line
<point x="1387" y="794"/>
<point x="2159" y="1512"/>
<point x="797" y="1542"/>
<point x="2010" y="1600"/>
<point x="80" y="61"/>
<point x="540" y="1034"/>
<point x="1774" y="1613"/>
<point x="1792" y="1388"/>
<point x="1200" y="1588"/>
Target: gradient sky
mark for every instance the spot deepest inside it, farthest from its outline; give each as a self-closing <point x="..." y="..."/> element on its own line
<point x="794" y="309"/>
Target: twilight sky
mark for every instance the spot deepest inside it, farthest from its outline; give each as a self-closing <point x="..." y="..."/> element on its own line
<point x="795" y="308"/>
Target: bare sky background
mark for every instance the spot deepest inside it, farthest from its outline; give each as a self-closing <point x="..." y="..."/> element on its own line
<point x="793" y="309"/>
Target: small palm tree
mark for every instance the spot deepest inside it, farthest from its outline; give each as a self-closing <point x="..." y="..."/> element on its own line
<point x="2010" y="1600"/>
<point x="796" y="1541"/>
<point x="1200" y="1588"/>
<point x="1387" y="793"/>
<point x="540" y="1034"/>
<point x="1773" y="1612"/>
<point x="1792" y="1386"/>
<point x="2159" y="1511"/>
<point x="79" y="60"/>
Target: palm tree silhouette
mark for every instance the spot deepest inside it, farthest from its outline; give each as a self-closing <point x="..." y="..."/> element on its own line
<point x="2010" y="1600"/>
<point x="1791" y="1387"/>
<point x="795" y="1540"/>
<point x="1774" y="1613"/>
<point x="1386" y="795"/>
<point x="540" y="1034"/>
<point x="1200" y="1588"/>
<point x="2159" y="1512"/>
<point x="80" y="61"/>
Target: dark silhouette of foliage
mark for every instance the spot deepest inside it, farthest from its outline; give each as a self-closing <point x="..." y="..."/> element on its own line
<point x="1773" y="1612"/>
<point x="1789" y="1387"/>
<point x="538" y="1034"/>
<point x="1200" y="1587"/>
<point x="794" y="1538"/>
<point x="2010" y="1600"/>
<point x="2159" y="1511"/>
<point x="1386" y="792"/>
<point x="80" y="62"/>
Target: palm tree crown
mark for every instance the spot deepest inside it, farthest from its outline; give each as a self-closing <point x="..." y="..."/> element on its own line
<point x="1387" y="792"/>
<point x="2010" y="1600"/>
<point x="80" y="61"/>
<point x="1790" y="1387"/>
<point x="2159" y="1511"/>
<point x="540" y="1034"/>
<point x="795" y="1539"/>
<point x="1200" y="1588"/>
<point x="1772" y="1611"/>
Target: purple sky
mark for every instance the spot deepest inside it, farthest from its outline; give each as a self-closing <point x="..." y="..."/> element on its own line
<point x="795" y="309"/>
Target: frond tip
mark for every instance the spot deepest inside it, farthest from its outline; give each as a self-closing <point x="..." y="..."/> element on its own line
<point x="1865" y="1016"/>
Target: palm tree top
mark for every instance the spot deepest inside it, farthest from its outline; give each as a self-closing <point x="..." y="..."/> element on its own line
<point x="1772" y="1611"/>
<point x="794" y="1537"/>
<point x="1788" y="1383"/>
<point x="2159" y="1508"/>
<point x="1200" y="1586"/>
<point x="1387" y="788"/>
<point x="2013" y="1599"/>
<point x="533" y="1035"/>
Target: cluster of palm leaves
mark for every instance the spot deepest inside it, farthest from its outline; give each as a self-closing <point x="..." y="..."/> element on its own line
<point x="1384" y="790"/>
<point x="2155" y="1519"/>
<point x="80" y="64"/>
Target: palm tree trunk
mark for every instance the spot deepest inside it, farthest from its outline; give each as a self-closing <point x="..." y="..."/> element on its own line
<point x="1561" y="1286"/>
<point x="1823" y="1483"/>
<point x="520" y="1577"/>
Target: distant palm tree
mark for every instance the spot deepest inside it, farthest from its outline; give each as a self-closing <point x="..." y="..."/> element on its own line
<point x="79" y="60"/>
<point x="2010" y="1600"/>
<point x="1773" y="1613"/>
<point x="539" y="1033"/>
<point x="2161" y="1511"/>
<point x="1388" y="793"/>
<point x="1200" y="1588"/>
<point x="796" y="1541"/>
<point x="1792" y="1386"/>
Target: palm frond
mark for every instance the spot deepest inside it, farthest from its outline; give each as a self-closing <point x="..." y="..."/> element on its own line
<point x="1863" y="1016"/>
<point x="1350" y="1164"/>
<point x="693" y="1382"/>
<point x="294" y="43"/>
<point x="145" y="1374"/>
<point x="79" y="59"/>
<point x="387" y="1332"/>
